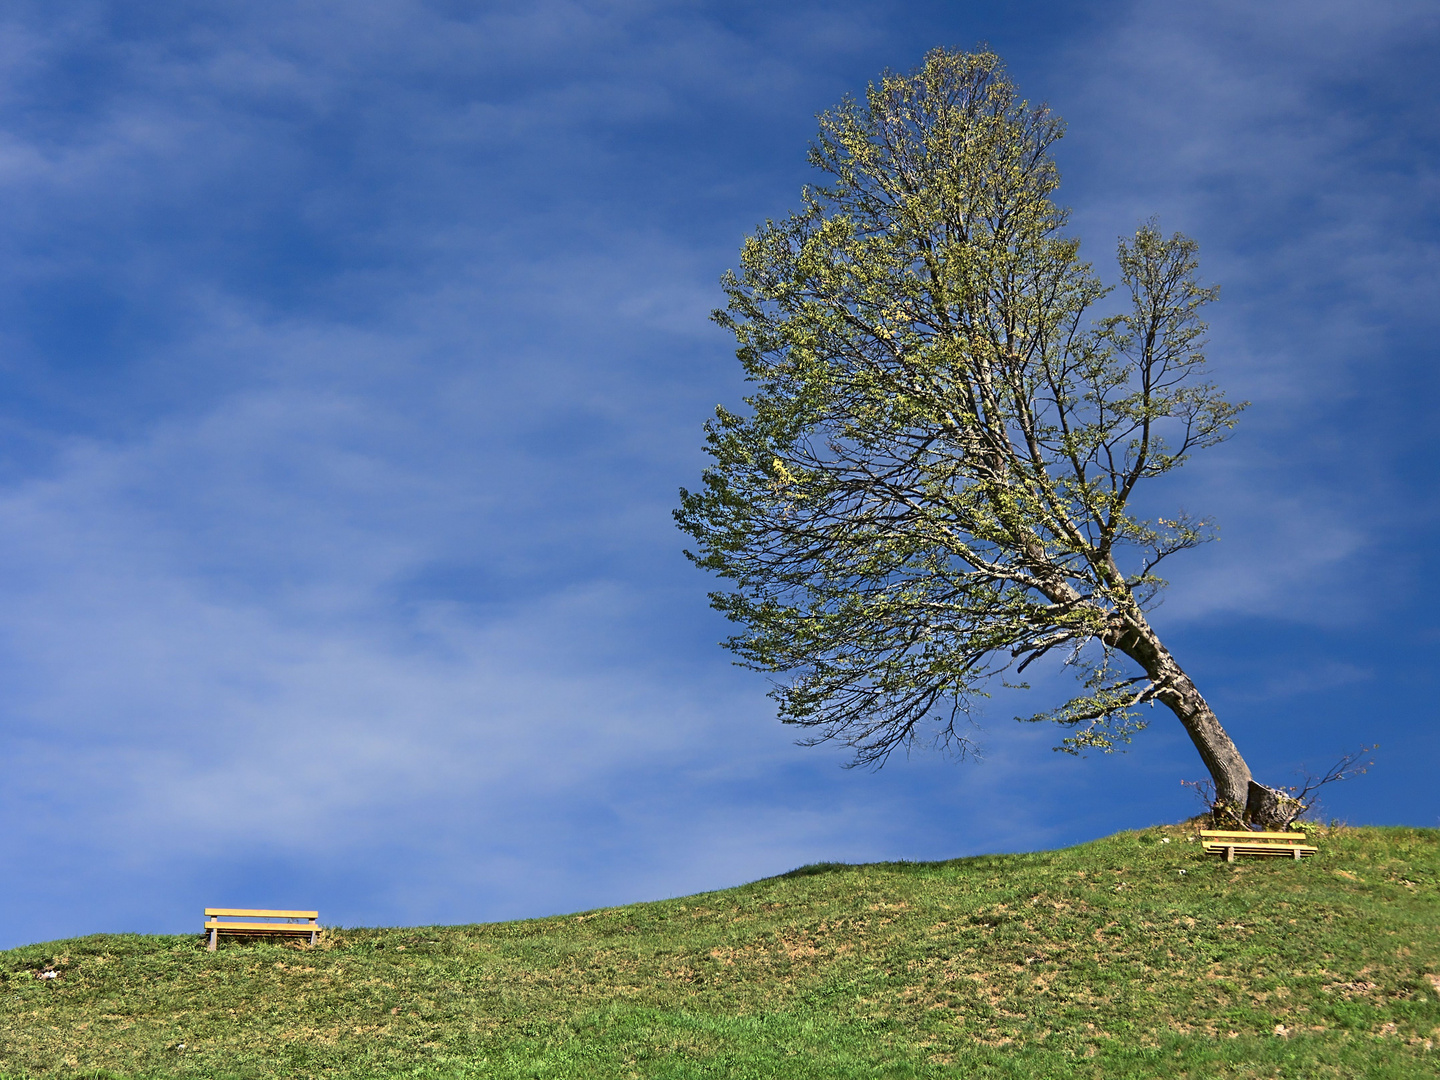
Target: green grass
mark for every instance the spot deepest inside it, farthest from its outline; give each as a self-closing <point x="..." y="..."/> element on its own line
<point x="1126" y="957"/>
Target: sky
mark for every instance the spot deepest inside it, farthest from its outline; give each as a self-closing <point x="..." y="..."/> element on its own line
<point x="352" y="355"/>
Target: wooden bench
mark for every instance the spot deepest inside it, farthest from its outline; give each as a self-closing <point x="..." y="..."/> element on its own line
<point x="1284" y="845"/>
<point x="219" y="920"/>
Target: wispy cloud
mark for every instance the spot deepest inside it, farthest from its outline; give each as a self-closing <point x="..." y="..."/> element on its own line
<point x="353" y="355"/>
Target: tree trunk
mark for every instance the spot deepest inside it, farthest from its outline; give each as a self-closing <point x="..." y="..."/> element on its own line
<point x="1235" y="791"/>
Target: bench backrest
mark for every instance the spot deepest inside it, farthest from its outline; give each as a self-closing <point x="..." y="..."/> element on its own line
<point x="258" y="913"/>
<point x="1249" y="837"/>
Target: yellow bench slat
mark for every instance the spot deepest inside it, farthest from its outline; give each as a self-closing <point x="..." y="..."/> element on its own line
<point x="261" y="913"/>
<point x="1252" y="837"/>
<point x="262" y="927"/>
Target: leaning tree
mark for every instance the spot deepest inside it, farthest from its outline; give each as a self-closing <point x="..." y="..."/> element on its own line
<point x="935" y="479"/>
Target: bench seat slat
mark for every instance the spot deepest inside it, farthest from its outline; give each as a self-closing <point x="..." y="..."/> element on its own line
<point x="1282" y="848"/>
<point x="261" y="927"/>
<point x="261" y="912"/>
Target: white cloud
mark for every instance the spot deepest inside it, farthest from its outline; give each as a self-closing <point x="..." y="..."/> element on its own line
<point x="354" y="572"/>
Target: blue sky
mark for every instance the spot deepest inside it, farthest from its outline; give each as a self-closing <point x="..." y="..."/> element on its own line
<point x="351" y="355"/>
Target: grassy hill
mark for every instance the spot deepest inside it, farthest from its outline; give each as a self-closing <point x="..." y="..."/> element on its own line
<point x="1130" y="956"/>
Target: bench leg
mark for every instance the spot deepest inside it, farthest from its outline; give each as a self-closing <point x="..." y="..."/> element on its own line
<point x="214" y="939"/>
<point x="1229" y="854"/>
<point x="1297" y="854"/>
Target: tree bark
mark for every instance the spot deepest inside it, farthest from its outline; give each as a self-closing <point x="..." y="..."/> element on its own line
<point x="1233" y="782"/>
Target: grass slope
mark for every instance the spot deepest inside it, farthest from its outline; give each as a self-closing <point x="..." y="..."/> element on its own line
<point x="1129" y="956"/>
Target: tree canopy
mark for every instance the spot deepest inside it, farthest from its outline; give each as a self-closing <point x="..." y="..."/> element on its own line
<point x="934" y="480"/>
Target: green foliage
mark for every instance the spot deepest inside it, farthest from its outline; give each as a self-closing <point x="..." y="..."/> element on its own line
<point x="933" y="477"/>
<point x="1128" y="957"/>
